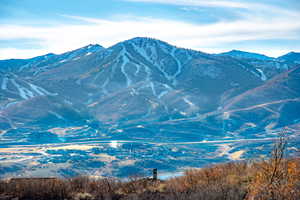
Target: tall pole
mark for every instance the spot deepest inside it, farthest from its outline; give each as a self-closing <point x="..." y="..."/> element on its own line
<point x="154" y="174"/>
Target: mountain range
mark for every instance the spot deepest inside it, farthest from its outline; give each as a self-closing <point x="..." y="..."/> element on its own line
<point x="143" y="104"/>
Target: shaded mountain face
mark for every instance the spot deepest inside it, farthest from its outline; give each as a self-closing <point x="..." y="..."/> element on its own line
<point x="143" y="92"/>
<point x="291" y="57"/>
<point x="268" y="67"/>
<point x="149" y="78"/>
<point x="36" y="65"/>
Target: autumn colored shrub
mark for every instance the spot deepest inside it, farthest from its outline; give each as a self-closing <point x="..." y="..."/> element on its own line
<point x="277" y="178"/>
<point x="264" y="180"/>
<point x="226" y="181"/>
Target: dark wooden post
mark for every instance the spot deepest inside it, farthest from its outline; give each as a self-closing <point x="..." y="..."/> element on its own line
<point x="154" y="174"/>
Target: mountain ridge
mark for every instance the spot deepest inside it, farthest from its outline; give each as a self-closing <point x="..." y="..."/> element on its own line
<point x="245" y="54"/>
<point x="233" y="51"/>
<point x="140" y="100"/>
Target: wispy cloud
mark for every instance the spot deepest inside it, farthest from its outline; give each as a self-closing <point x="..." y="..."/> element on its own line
<point x="264" y="23"/>
<point x="7" y="53"/>
<point x="210" y="3"/>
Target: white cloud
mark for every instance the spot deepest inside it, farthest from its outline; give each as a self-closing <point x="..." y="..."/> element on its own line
<point x="210" y="3"/>
<point x="66" y="37"/>
<point x="6" y="53"/>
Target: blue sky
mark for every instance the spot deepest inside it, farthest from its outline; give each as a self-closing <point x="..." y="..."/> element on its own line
<point x="30" y="28"/>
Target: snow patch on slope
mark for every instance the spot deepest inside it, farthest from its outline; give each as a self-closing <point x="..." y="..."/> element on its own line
<point x="124" y="63"/>
<point x="104" y="86"/>
<point x="56" y="115"/>
<point x="77" y="58"/>
<point x="163" y="93"/>
<point x="151" y="59"/>
<point x="138" y="67"/>
<point x="179" y="65"/>
<point x="142" y="52"/>
<point x="9" y="104"/>
<point x="26" y="92"/>
<point x="186" y="100"/>
<point x="23" y="92"/>
<point x="41" y="91"/>
<point x="153" y="89"/>
<point x="4" y="83"/>
<point x="262" y="75"/>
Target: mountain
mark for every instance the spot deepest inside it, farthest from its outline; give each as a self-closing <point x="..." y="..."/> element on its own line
<point x="268" y="67"/>
<point x="49" y="60"/>
<point x="291" y="57"/>
<point x="137" y="105"/>
<point x="246" y="55"/>
<point x="141" y="71"/>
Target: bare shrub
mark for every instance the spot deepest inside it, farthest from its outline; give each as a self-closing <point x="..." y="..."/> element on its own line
<point x="79" y="184"/>
<point x="139" y="185"/>
<point x="38" y="189"/>
<point x="278" y="177"/>
<point x="227" y="181"/>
